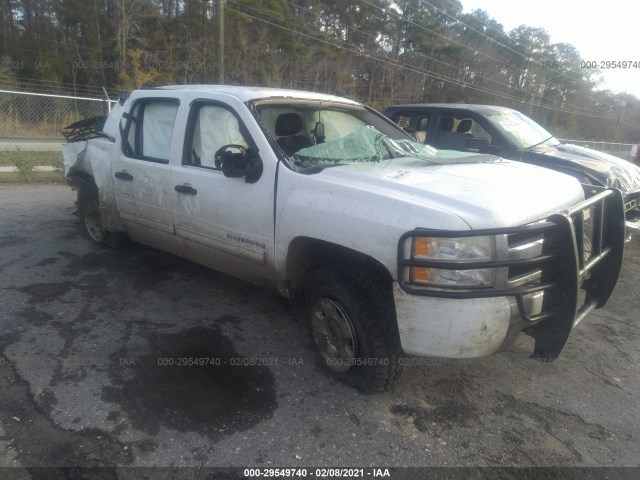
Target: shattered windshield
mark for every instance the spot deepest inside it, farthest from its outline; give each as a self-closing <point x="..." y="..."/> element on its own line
<point x="316" y="135"/>
<point x="366" y="144"/>
<point x="520" y="130"/>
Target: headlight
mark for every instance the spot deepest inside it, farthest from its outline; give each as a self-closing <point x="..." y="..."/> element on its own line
<point x="463" y="250"/>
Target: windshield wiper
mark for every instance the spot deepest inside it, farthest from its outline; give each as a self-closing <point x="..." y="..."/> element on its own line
<point x="539" y="143"/>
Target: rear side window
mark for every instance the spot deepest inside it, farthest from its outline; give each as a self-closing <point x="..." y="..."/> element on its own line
<point x="149" y="128"/>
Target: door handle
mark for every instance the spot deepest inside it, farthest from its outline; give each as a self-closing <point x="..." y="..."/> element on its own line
<point x="186" y="189"/>
<point x="123" y="176"/>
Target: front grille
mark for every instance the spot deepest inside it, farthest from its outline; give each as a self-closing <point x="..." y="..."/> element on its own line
<point x="523" y="238"/>
<point x="530" y="244"/>
<point x="519" y="271"/>
<point x="557" y="253"/>
<point x="524" y="245"/>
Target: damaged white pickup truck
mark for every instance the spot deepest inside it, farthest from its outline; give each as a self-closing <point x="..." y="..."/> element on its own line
<point x="393" y="247"/>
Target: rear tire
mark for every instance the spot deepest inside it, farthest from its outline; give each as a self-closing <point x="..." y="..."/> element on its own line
<point x="351" y="316"/>
<point x="91" y="219"/>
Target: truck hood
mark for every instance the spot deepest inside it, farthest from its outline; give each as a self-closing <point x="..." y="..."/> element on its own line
<point x="484" y="191"/>
<point x="609" y="170"/>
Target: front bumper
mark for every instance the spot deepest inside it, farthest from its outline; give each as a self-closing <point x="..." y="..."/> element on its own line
<point x="441" y="327"/>
<point x="579" y="249"/>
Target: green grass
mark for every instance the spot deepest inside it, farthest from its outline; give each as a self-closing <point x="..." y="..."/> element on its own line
<point x="34" y="177"/>
<point x="12" y="158"/>
<point x="25" y="163"/>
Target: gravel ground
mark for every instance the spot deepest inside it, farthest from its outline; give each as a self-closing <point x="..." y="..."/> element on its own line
<point x="86" y="331"/>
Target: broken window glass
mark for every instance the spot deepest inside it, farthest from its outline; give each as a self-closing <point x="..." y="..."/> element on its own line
<point x="368" y="145"/>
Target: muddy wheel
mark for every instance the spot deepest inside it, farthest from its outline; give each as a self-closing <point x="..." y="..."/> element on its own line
<point x="91" y="220"/>
<point x="351" y="317"/>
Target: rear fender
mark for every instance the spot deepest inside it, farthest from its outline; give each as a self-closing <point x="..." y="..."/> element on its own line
<point x="91" y="161"/>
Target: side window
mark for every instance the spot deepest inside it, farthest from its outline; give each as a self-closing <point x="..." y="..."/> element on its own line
<point x="149" y="129"/>
<point x="417" y="124"/>
<point x="403" y="120"/>
<point x="460" y="132"/>
<point x="212" y="127"/>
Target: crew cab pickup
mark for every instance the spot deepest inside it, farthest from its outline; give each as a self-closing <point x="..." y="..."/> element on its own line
<point x="510" y="134"/>
<point x="392" y="247"/>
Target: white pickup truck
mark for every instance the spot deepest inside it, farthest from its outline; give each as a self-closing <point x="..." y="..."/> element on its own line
<point x="392" y="247"/>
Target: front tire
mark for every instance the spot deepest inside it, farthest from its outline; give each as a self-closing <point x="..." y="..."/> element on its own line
<point x="351" y="315"/>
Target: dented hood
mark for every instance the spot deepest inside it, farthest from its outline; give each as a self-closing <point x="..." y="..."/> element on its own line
<point x="611" y="171"/>
<point x="485" y="194"/>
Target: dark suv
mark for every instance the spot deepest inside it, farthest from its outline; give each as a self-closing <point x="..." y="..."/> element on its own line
<point x="510" y="134"/>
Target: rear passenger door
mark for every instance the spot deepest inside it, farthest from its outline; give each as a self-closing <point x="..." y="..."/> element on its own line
<point x="142" y="174"/>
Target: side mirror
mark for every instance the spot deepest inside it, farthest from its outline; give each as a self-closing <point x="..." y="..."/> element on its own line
<point x="236" y="161"/>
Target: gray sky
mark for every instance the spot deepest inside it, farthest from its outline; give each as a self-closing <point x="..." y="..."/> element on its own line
<point x="598" y="34"/>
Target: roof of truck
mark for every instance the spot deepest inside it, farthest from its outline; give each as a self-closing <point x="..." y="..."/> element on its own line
<point x="451" y="106"/>
<point x="253" y="93"/>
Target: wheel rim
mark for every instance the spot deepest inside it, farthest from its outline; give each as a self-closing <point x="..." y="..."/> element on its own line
<point x="334" y="335"/>
<point x="93" y="222"/>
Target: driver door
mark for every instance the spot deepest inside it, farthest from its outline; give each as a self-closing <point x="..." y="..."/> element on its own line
<point x="224" y="223"/>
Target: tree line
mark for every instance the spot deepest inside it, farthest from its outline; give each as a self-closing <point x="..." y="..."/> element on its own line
<point x="380" y="52"/>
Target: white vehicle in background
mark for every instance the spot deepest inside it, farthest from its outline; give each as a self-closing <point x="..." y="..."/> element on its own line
<point x="393" y="247"/>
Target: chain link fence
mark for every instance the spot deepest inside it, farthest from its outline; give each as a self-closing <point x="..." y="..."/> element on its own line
<point x="31" y="133"/>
